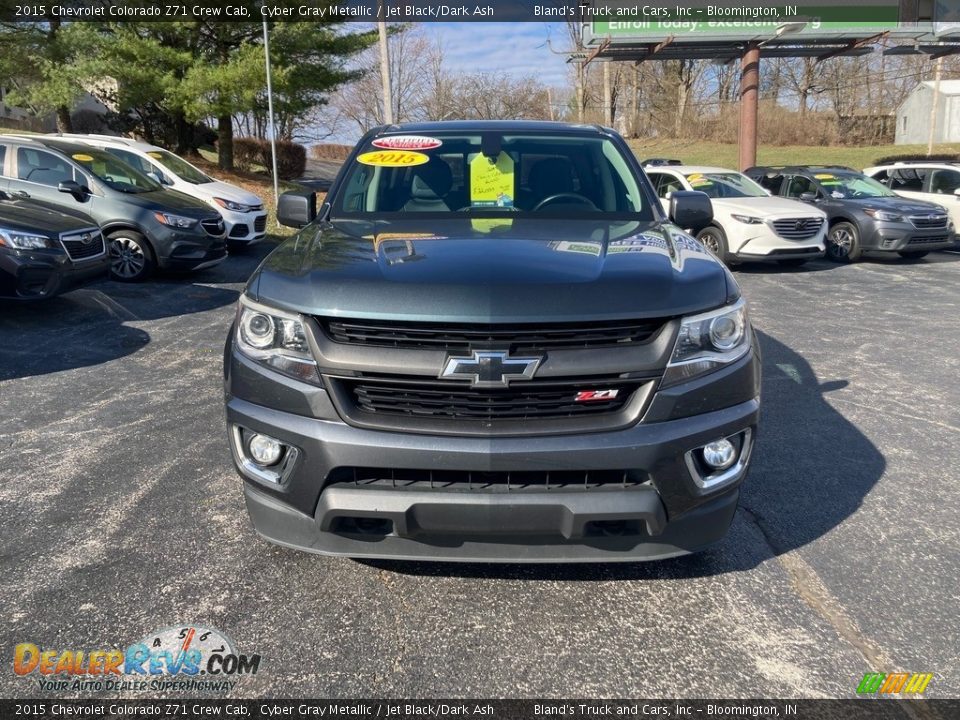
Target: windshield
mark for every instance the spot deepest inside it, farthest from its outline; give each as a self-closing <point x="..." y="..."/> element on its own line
<point x="179" y="167"/>
<point x="725" y="185"/>
<point x="483" y="174"/>
<point x="113" y="172"/>
<point x="850" y="186"/>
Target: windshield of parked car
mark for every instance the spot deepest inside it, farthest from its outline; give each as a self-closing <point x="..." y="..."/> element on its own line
<point x="179" y="167"/>
<point x="482" y="174"/>
<point x="112" y="171"/>
<point x="725" y="185"/>
<point x="851" y="186"/>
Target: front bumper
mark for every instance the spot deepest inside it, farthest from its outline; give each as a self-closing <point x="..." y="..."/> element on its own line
<point x="904" y="237"/>
<point x="248" y="228"/>
<point x="763" y="244"/>
<point x="188" y="250"/>
<point x="38" y="274"/>
<point x="665" y="514"/>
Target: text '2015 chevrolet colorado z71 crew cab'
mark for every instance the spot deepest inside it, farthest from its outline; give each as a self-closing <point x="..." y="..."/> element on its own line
<point x="491" y="344"/>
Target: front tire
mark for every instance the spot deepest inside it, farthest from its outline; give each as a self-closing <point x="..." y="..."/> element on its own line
<point x="913" y="254"/>
<point x="713" y="238"/>
<point x="131" y="257"/>
<point x="843" y="243"/>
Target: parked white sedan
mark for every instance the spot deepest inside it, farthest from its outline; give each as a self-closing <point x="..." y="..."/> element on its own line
<point x="748" y="224"/>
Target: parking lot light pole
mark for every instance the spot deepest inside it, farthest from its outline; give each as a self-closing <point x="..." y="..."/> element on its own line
<point x="749" y="91"/>
<point x="273" y="129"/>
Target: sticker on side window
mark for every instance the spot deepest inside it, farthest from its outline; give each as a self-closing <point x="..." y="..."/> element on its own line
<point x="407" y="142"/>
<point x="491" y="183"/>
<point x="392" y="158"/>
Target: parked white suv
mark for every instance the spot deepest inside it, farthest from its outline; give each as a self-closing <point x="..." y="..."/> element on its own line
<point x="242" y="211"/>
<point x="934" y="181"/>
<point x="748" y="224"/>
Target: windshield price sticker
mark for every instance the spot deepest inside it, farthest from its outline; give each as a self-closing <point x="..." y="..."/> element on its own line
<point x="491" y="183"/>
<point x="407" y="142"/>
<point x="80" y="157"/>
<point x="392" y="158"/>
<point x="825" y="176"/>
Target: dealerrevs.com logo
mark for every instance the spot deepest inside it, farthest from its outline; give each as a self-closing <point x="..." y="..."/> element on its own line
<point x="187" y="658"/>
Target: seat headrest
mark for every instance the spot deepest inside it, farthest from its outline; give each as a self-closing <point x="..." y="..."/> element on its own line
<point x="551" y="176"/>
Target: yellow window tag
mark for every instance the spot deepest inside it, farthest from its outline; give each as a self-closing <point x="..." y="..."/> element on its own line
<point x="392" y="158"/>
<point x="155" y="155"/>
<point x="491" y="183"/>
<point x="80" y="157"/>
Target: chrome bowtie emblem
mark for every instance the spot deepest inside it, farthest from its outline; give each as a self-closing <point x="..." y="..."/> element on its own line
<point x="490" y="368"/>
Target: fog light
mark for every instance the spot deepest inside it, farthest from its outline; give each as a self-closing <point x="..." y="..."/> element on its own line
<point x="264" y="449"/>
<point x="719" y="454"/>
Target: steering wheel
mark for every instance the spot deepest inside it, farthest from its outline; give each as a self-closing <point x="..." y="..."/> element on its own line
<point x="578" y="199"/>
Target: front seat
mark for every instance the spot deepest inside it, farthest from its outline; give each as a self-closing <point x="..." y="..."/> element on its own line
<point x="431" y="183"/>
<point x="550" y="177"/>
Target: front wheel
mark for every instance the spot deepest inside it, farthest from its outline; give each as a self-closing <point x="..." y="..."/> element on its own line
<point x="715" y="240"/>
<point x="913" y="254"/>
<point x="131" y="258"/>
<point x="843" y="243"/>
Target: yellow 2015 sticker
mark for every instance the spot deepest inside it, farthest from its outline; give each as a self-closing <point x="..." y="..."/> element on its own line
<point x="80" y="157"/>
<point x="393" y="158"/>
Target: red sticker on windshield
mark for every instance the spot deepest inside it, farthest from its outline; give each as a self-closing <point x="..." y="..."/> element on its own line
<point x="407" y="142"/>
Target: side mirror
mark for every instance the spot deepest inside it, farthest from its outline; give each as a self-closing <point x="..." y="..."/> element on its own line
<point x="74" y="188"/>
<point x="297" y="209"/>
<point x="808" y="197"/>
<point x="691" y="209"/>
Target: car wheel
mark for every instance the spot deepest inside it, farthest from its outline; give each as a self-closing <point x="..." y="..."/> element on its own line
<point x="715" y="240"/>
<point x="843" y="243"/>
<point x="792" y="262"/>
<point x="913" y="254"/>
<point x="131" y="257"/>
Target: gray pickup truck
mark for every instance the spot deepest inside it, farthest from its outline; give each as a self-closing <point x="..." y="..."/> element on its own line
<point x="490" y="343"/>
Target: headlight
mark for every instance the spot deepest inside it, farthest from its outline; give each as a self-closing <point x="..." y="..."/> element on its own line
<point x="231" y="205"/>
<point x="748" y="219"/>
<point x="24" y="241"/>
<point x="275" y="338"/>
<point x="177" y="221"/>
<point x="707" y="342"/>
<point x="883" y="215"/>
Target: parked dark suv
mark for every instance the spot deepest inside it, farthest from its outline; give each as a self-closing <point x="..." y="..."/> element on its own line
<point x="44" y="251"/>
<point x="492" y="344"/>
<point x="864" y="215"/>
<point x="146" y="226"/>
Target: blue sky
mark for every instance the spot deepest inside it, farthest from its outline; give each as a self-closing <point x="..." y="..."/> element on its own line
<point x="515" y="48"/>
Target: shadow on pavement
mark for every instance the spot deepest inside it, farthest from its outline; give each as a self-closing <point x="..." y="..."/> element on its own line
<point x="811" y="470"/>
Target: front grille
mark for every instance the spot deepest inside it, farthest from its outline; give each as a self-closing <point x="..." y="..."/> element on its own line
<point x="515" y="338"/>
<point x="928" y="221"/>
<point x="447" y="400"/>
<point x="798" y="228"/>
<point x="81" y="246"/>
<point x="926" y="239"/>
<point x="213" y="226"/>
<point x="260" y="223"/>
<point x="239" y="230"/>
<point x="485" y="481"/>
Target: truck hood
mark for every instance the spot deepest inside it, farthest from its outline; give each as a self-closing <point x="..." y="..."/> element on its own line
<point x="37" y="217"/>
<point x="490" y="271"/>
<point x="764" y="207"/>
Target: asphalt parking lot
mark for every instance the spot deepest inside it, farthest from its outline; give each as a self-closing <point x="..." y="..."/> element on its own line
<point x="123" y="514"/>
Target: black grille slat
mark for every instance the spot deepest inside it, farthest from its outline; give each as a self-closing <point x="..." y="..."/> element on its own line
<point x="923" y="221"/>
<point x="260" y="223"/>
<point x="78" y="250"/>
<point x="213" y="227"/>
<point x="462" y="402"/>
<point x="455" y="338"/>
<point x="787" y="228"/>
<point x="481" y="481"/>
<point x="928" y="239"/>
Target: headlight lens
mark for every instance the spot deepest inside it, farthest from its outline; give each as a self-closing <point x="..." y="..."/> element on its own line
<point x="176" y="221"/>
<point x="231" y="205"/>
<point x="24" y="241"/>
<point x="883" y="215"/>
<point x="275" y="338"/>
<point x="707" y="342"/>
<point x="747" y="219"/>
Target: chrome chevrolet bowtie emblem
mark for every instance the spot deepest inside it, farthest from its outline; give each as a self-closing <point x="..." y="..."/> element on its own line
<point x="490" y="368"/>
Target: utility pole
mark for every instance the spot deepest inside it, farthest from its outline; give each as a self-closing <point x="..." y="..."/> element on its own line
<point x="934" y="106"/>
<point x="273" y="128"/>
<point x="749" y="92"/>
<point x="385" y="72"/>
<point x="607" y="115"/>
